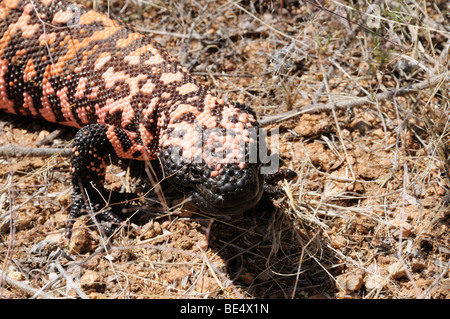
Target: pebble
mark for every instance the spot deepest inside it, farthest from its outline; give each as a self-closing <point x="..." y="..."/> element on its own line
<point x="16" y="275"/>
<point x="202" y="245"/>
<point x="157" y="228"/>
<point x="401" y="228"/>
<point x="338" y="241"/>
<point x="165" y="224"/>
<point x="396" y="270"/>
<point x="350" y="282"/>
<point x="207" y="285"/>
<point x="374" y="279"/>
<point x="380" y="133"/>
<point x="55" y="237"/>
<point x="179" y="277"/>
<point x="81" y="241"/>
<point x="92" y="280"/>
<point x="167" y="256"/>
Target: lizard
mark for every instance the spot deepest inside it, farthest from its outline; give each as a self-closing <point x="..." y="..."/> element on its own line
<point x="129" y="98"/>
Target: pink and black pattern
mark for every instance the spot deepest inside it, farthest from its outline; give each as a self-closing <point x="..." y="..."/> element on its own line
<point x="70" y="65"/>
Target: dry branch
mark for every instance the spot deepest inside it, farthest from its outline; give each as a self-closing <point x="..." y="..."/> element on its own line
<point x="17" y="151"/>
<point x="311" y="108"/>
<point x="24" y="287"/>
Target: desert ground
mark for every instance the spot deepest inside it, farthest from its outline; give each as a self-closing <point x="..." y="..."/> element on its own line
<point x="359" y="94"/>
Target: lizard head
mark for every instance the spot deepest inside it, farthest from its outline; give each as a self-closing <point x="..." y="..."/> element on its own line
<point x="215" y="161"/>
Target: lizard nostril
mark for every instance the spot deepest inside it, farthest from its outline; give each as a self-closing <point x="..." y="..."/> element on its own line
<point x="195" y="173"/>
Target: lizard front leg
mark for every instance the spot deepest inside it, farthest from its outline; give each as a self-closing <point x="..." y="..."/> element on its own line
<point x="91" y="148"/>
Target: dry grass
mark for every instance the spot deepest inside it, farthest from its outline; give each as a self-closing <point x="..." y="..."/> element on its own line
<point x="366" y="90"/>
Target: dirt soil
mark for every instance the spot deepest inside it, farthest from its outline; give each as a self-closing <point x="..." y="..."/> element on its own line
<point x="366" y="217"/>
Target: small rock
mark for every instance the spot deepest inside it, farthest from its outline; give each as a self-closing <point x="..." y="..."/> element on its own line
<point x="312" y="124"/>
<point x="316" y="153"/>
<point x="401" y="228"/>
<point x="152" y="230"/>
<point x="374" y="279"/>
<point x="350" y="282"/>
<point x="55" y="237"/>
<point x="81" y="241"/>
<point x="71" y="293"/>
<point x="202" y="245"/>
<point x="42" y="135"/>
<point x="167" y="256"/>
<point x="375" y="282"/>
<point x="396" y="270"/>
<point x="379" y="133"/>
<point x="157" y="228"/>
<point x="177" y="274"/>
<point x="360" y="126"/>
<point x="186" y="244"/>
<point x="63" y="199"/>
<point x="338" y="241"/>
<point x="165" y="224"/>
<point x="368" y="171"/>
<point x="187" y="210"/>
<point x="148" y="232"/>
<point x="16" y="275"/>
<point x="207" y="285"/>
<point x="179" y="277"/>
<point x="92" y="280"/>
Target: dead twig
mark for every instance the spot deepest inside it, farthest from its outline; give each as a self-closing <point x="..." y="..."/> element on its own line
<point x="17" y="151"/>
<point x="70" y="281"/>
<point x="24" y="287"/>
<point x="50" y="137"/>
<point x="344" y="104"/>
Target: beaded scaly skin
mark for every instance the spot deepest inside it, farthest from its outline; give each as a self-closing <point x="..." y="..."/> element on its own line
<point x="77" y="67"/>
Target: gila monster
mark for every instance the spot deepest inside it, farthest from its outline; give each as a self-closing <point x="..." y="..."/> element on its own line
<point x="64" y="63"/>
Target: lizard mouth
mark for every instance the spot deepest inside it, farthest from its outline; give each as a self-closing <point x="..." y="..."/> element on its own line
<point x="229" y="198"/>
<point x="232" y="190"/>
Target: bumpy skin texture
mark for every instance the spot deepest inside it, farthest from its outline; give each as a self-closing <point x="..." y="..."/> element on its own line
<point x="66" y="64"/>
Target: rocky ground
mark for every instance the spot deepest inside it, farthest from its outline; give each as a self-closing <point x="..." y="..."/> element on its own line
<point x="365" y="126"/>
